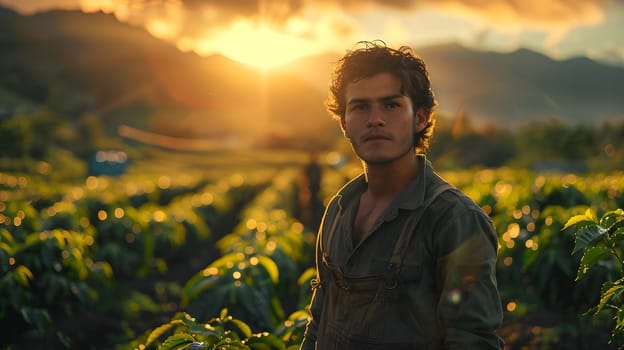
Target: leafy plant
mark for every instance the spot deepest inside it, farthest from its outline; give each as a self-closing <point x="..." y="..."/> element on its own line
<point x="600" y="240"/>
<point x="222" y="332"/>
<point x="243" y="284"/>
<point x="46" y="277"/>
<point x="552" y="269"/>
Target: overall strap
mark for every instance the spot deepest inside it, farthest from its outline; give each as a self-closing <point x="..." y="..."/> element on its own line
<point x="402" y="242"/>
<point x="334" y="209"/>
<point x="332" y="228"/>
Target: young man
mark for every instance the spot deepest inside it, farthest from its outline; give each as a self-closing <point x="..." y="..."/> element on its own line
<point x="404" y="260"/>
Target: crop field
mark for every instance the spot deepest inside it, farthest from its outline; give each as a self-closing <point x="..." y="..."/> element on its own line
<point x="211" y="251"/>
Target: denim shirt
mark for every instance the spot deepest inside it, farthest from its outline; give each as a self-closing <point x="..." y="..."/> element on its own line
<point x="444" y="295"/>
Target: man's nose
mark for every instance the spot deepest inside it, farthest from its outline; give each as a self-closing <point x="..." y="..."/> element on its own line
<point x="376" y="117"/>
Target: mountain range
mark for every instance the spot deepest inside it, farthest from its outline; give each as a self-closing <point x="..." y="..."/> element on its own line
<point x="76" y="63"/>
<point x="509" y="89"/>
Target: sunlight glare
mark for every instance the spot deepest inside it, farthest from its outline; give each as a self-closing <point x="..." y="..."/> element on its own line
<point x="255" y="45"/>
<point x="161" y="29"/>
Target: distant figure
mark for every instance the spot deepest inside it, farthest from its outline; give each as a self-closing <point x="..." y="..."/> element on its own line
<point x="310" y="203"/>
<point x="404" y="259"/>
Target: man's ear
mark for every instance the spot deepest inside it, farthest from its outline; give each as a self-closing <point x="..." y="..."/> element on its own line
<point x="343" y="126"/>
<point x="421" y="118"/>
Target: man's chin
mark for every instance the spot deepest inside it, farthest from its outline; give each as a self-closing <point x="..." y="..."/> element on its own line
<point x="376" y="160"/>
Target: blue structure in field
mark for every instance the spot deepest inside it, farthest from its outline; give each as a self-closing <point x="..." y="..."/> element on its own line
<point x="109" y="162"/>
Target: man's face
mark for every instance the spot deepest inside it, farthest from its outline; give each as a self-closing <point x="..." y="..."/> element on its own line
<point x="379" y="120"/>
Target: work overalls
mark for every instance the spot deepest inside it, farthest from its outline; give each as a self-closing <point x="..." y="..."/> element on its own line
<point x="370" y="312"/>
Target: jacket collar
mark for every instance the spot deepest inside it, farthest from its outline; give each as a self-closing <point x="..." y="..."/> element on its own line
<point x="410" y="198"/>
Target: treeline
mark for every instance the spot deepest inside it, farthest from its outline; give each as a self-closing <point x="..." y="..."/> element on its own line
<point x="457" y="143"/>
<point x="35" y="134"/>
<point x="537" y="145"/>
<point x="42" y="139"/>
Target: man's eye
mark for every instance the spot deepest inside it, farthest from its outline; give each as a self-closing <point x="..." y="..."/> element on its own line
<point x="391" y="105"/>
<point x="359" y="107"/>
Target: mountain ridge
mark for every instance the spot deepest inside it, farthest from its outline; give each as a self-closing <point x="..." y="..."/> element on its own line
<point x="79" y="63"/>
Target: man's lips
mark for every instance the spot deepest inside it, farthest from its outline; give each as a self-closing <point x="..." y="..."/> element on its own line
<point x="373" y="137"/>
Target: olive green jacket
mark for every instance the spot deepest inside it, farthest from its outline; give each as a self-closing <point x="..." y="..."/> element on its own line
<point x="442" y="294"/>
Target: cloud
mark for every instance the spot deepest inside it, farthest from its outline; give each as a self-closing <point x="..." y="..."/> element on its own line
<point x="540" y="13"/>
<point x="29" y="7"/>
<point x="330" y="25"/>
<point x="527" y="12"/>
<point x="200" y="18"/>
<point x="194" y="14"/>
<point x="531" y="13"/>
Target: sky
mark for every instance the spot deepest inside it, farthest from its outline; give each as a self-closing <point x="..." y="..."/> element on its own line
<point x="269" y="33"/>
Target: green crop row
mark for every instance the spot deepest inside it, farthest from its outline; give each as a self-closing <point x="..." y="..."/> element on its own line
<point x="537" y="265"/>
<point x="68" y="253"/>
<point x="67" y="247"/>
<point x="260" y="268"/>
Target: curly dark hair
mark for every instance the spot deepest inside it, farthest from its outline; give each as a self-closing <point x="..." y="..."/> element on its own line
<point x="374" y="57"/>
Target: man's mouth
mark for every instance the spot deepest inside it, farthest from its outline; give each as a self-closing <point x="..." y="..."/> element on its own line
<point x="374" y="137"/>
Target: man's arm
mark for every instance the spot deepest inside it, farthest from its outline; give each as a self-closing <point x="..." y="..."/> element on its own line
<point x="470" y="307"/>
<point x="318" y="290"/>
<point x="309" y="340"/>
<point x="316" y="304"/>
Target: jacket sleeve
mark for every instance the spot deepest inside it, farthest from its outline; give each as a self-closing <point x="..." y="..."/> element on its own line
<point x="309" y="339"/>
<point x="316" y="304"/>
<point x="469" y="308"/>
<point x="318" y="294"/>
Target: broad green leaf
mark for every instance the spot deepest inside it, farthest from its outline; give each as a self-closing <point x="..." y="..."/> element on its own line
<point x="198" y="346"/>
<point x="197" y="328"/>
<point x="5" y="236"/>
<point x="60" y="238"/>
<point x="259" y="346"/>
<point x="176" y="341"/>
<point x="590" y="257"/>
<point x="588" y="217"/>
<point x="586" y="236"/>
<point x="266" y="341"/>
<point x="307" y="275"/>
<point x="617" y="228"/>
<point x="277" y="310"/>
<point x="254" y="302"/>
<point x="610" y="291"/>
<point x="232" y="259"/>
<point x="38" y="318"/>
<point x="159" y="331"/>
<point x="611" y="217"/>
<point x="23" y="275"/>
<point x="230" y="344"/>
<point x="223" y="314"/>
<point x="198" y="285"/>
<point x="546" y="265"/>
<point x="300" y="316"/>
<point x="562" y="261"/>
<point x="271" y="267"/>
<point x="6" y="248"/>
<point x="242" y="326"/>
<point x="105" y="267"/>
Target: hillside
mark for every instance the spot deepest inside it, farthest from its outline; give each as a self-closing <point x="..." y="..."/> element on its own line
<point x="76" y="63"/>
<point x="511" y="88"/>
<point x="508" y="89"/>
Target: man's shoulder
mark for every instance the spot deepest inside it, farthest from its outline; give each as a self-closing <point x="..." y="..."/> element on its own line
<point x="456" y="202"/>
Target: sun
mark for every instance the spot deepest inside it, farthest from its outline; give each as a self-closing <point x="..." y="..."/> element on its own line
<point x="255" y="45"/>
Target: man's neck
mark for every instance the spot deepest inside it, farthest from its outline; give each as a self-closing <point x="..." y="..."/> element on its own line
<point x="386" y="180"/>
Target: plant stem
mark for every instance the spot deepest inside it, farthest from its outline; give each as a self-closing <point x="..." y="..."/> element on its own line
<point x="611" y="245"/>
